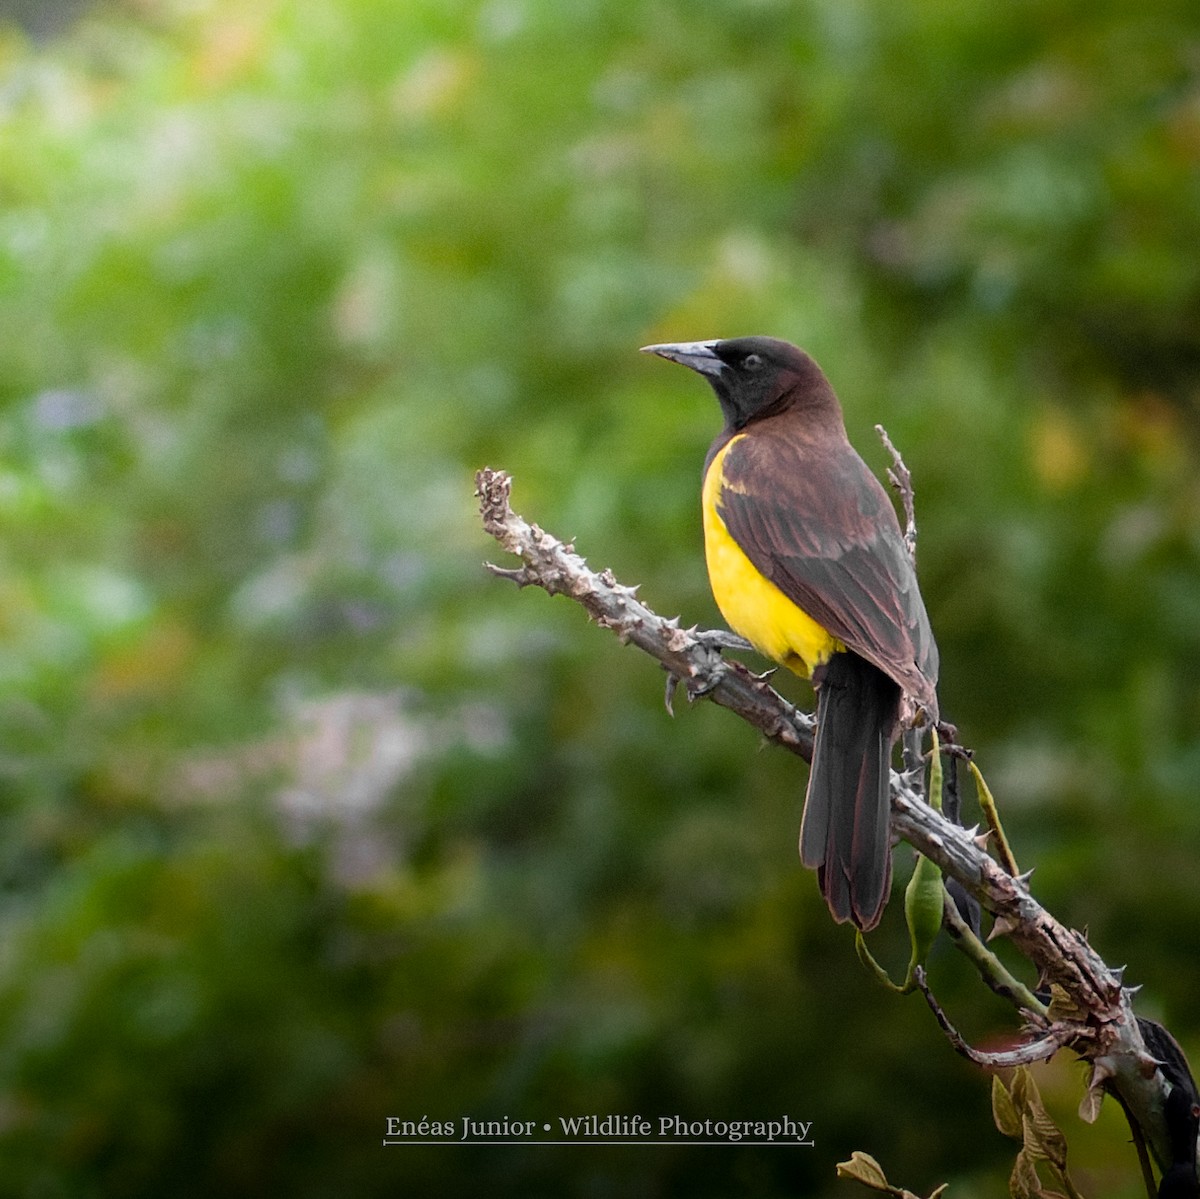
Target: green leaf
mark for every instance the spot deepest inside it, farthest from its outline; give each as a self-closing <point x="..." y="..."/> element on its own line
<point x="1041" y="1132"/>
<point x="1093" y="1097"/>
<point x="1019" y="1088"/>
<point x="862" y="1167"/>
<point x="1004" y="1112"/>
<point x="1023" y="1182"/>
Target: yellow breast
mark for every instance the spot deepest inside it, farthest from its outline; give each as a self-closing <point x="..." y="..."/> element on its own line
<point x="752" y="604"/>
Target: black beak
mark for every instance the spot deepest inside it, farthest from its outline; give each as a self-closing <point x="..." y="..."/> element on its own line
<point x="698" y="355"/>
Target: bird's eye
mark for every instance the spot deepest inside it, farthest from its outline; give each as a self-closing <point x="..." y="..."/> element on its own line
<point x="752" y="362"/>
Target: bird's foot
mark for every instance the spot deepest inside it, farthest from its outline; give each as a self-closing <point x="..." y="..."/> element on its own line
<point x="700" y="684"/>
<point x="721" y="639"/>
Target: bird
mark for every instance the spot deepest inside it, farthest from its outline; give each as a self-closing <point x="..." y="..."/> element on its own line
<point x="807" y="562"/>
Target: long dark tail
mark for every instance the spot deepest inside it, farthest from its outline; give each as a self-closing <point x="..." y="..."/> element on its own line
<point x="845" y="830"/>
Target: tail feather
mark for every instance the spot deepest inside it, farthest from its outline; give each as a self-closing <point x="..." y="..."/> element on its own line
<point x="845" y="832"/>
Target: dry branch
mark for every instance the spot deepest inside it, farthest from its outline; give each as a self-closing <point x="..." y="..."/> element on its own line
<point x="1091" y="1011"/>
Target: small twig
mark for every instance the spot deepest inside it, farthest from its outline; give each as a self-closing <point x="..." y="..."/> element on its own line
<point x="993" y="972"/>
<point x="1039" y="1049"/>
<point x="1139" y="1145"/>
<point x="901" y="479"/>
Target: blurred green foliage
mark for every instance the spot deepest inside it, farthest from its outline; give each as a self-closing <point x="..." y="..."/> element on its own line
<point x="306" y="822"/>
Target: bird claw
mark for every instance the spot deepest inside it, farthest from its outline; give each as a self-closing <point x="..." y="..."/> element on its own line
<point x="713" y="640"/>
<point x="721" y="639"/>
<point x="669" y="697"/>
<point x="699" y="690"/>
<point x="717" y="640"/>
<point x="693" y="689"/>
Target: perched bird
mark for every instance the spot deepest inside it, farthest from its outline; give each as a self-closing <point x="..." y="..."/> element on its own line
<point x="807" y="562"/>
<point x="1180" y="1113"/>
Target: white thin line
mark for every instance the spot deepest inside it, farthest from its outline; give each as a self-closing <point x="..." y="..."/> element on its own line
<point x="590" y="1141"/>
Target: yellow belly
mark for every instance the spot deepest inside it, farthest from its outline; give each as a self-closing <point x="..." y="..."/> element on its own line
<point x="752" y="604"/>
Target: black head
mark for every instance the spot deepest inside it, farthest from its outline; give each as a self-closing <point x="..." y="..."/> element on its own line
<point x="754" y="376"/>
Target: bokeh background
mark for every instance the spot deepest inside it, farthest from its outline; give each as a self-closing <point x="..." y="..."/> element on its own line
<point x="305" y="821"/>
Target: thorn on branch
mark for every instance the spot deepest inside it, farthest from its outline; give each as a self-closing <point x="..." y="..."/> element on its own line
<point x="1002" y="926"/>
<point x="520" y="575"/>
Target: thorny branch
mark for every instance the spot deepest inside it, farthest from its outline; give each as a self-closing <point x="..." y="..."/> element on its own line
<point x="1046" y="1043"/>
<point x="901" y="479"/>
<point x="1091" y="1012"/>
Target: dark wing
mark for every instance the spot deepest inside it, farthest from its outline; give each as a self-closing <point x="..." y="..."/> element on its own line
<point x="819" y="525"/>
